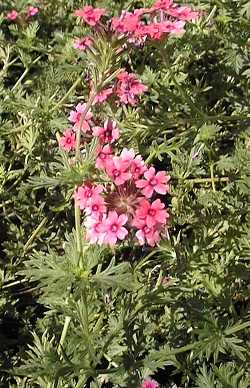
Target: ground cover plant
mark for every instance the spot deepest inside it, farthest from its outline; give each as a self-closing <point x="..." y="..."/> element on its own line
<point x="124" y="173"/>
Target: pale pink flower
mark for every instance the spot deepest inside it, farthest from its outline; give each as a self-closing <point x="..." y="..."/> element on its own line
<point x="102" y="96"/>
<point x="183" y="13"/>
<point x="129" y="87"/>
<point x="32" y="11"/>
<point x="153" y="182"/>
<point x="104" y="154"/>
<point x="114" y="228"/>
<point x="162" y="5"/>
<point x="152" y="213"/>
<point x="90" y="15"/>
<point x="12" y="15"/>
<point x="149" y="384"/>
<point x="95" y="230"/>
<point x="108" y="133"/>
<point x="82" y="43"/>
<point x="117" y="170"/>
<point x="75" y="118"/>
<point x="127" y="155"/>
<point x="85" y="193"/>
<point x="96" y="206"/>
<point x="68" y="140"/>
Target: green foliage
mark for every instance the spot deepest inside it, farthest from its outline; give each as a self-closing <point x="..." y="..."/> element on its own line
<point x="179" y="312"/>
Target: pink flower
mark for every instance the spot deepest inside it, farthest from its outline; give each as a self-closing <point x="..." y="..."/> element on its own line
<point x="183" y="13"/>
<point x="129" y="87"/>
<point x="82" y="43"/>
<point x="137" y="167"/>
<point x="95" y="230"/>
<point x="90" y="15"/>
<point x="162" y="5"/>
<point x="108" y="133"/>
<point x="117" y="170"/>
<point x="147" y="234"/>
<point x="32" y="11"/>
<point x="103" y="156"/>
<point x="12" y="15"/>
<point x="128" y="22"/>
<point x="68" y="140"/>
<point x="114" y="228"/>
<point x="75" y="117"/>
<point x="103" y="95"/>
<point x="152" y="213"/>
<point x="153" y="182"/>
<point x="96" y="206"/>
<point x="149" y="384"/>
<point x="85" y="193"/>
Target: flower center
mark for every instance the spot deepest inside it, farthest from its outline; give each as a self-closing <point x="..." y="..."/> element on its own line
<point x="137" y="170"/>
<point x="114" y="228"/>
<point x="146" y="229"/>
<point x="95" y="208"/>
<point x="152" y="212"/>
<point x="153" y="182"/>
<point x="68" y="140"/>
<point x="88" y="193"/>
<point x="102" y="156"/>
<point x="116" y="173"/>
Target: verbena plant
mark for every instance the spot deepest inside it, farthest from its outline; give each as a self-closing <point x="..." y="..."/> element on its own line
<point x="125" y="316"/>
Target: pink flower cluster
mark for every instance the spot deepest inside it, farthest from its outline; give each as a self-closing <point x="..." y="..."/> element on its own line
<point x="30" y="11"/>
<point x="162" y="19"/>
<point x="127" y="205"/>
<point x="149" y="384"/>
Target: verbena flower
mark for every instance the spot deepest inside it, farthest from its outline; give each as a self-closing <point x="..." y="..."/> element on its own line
<point x="102" y="96"/>
<point x="129" y="87"/>
<point x="68" y="140"/>
<point x="108" y="133"/>
<point x="90" y="15"/>
<point x="104" y="154"/>
<point x="114" y="228"/>
<point x="76" y="115"/>
<point x="32" y="11"/>
<point x="153" y="182"/>
<point x="149" y="384"/>
<point x="152" y="213"/>
<point x="12" y="15"/>
<point x="82" y="43"/>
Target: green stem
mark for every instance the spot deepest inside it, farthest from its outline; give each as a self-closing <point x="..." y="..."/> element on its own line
<point x="212" y="177"/>
<point x="208" y="180"/>
<point x="64" y="334"/>
<point x="34" y="235"/>
<point x="64" y="98"/>
<point x="25" y="73"/>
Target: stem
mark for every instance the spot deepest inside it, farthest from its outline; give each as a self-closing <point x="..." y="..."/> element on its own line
<point x="212" y="177"/>
<point x="208" y="180"/>
<point x="67" y="94"/>
<point x="25" y="72"/>
<point x="64" y="334"/>
<point x="34" y="235"/>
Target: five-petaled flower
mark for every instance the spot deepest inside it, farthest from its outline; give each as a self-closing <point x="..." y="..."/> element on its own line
<point x="12" y="15"/>
<point x="153" y="182"/>
<point x="75" y="117"/>
<point x="90" y="15"/>
<point x="108" y="133"/>
<point x="82" y="43"/>
<point x="32" y="11"/>
<point x="68" y="140"/>
<point x="149" y="384"/>
<point x="114" y="228"/>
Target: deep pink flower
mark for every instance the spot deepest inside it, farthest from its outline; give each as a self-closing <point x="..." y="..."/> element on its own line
<point x="90" y="15"/>
<point x="129" y="87"/>
<point x="152" y="213"/>
<point x="82" y="43"/>
<point x="96" y="206"/>
<point x="147" y="234"/>
<point x="149" y="384"/>
<point x="153" y="182"/>
<point x="102" y="96"/>
<point x="68" y="140"/>
<point x="104" y="154"/>
<point x="114" y="228"/>
<point x="128" y="22"/>
<point x="108" y="133"/>
<point x="32" y="11"/>
<point x="75" y="117"/>
<point x="85" y="193"/>
<point x="117" y="170"/>
<point x="137" y="167"/>
<point x="95" y="230"/>
<point x="12" y="15"/>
